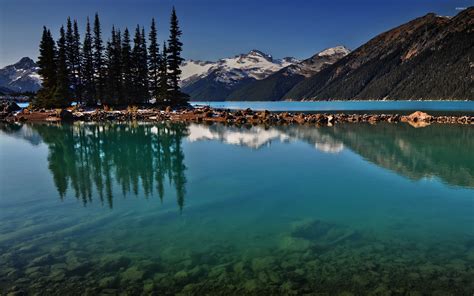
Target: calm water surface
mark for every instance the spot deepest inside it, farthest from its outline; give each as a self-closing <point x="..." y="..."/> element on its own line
<point x="166" y="209"/>
<point x="403" y="107"/>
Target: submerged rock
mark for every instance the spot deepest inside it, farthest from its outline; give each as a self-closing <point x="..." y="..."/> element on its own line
<point x="322" y="234"/>
<point x="132" y="274"/>
<point x="114" y="262"/>
<point x="41" y="260"/>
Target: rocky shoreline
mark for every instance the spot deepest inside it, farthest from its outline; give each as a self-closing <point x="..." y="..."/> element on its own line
<point x="205" y="114"/>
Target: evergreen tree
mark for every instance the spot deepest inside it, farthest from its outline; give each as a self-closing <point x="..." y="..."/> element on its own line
<point x="127" y="79"/>
<point x="113" y="80"/>
<point x="139" y="68"/>
<point x="98" y="51"/>
<point x="164" y="88"/>
<point x="154" y="60"/>
<point x="62" y="95"/>
<point x="47" y="70"/>
<point x="88" y="68"/>
<point x="144" y="69"/>
<point x="78" y="87"/>
<point x="69" y="43"/>
<point x="174" y="61"/>
<point x="73" y="56"/>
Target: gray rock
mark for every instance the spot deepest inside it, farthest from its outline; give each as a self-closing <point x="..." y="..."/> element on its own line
<point x="42" y="260"/>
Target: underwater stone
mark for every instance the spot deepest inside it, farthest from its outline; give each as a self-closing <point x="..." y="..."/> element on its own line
<point x="114" y="262"/>
<point x="31" y="270"/>
<point x="239" y="267"/>
<point x="41" y="260"/>
<point x="195" y="271"/>
<point x="148" y="286"/>
<point x="13" y="273"/>
<point x="27" y="248"/>
<point x="294" y="244"/>
<point x="265" y="263"/>
<point x="182" y="274"/>
<point x="57" y="275"/>
<point x="250" y="285"/>
<point x="108" y="282"/>
<point x="16" y="293"/>
<point x="132" y="274"/>
<point x="159" y="276"/>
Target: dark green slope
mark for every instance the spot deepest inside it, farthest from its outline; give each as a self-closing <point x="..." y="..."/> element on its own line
<point x="428" y="58"/>
<point x="210" y="89"/>
<point x="272" y="88"/>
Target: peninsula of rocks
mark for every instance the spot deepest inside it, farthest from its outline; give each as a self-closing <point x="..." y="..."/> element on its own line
<point x="204" y="114"/>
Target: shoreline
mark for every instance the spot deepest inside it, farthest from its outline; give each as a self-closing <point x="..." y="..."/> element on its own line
<point x="206" y="114"/>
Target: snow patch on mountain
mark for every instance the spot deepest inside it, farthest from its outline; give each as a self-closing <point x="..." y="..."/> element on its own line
<point x="337" y="50"/>
<point x="21" y="77"/>
<point x="318" y="61"/>
<point x="255" y="64"/>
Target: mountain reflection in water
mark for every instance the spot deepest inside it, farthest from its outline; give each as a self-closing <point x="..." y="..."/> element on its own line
<point x="92" y="158"/>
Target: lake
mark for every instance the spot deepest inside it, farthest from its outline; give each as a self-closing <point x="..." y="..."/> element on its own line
<point x="402" y="107"/>
<point x="135" y="208"/>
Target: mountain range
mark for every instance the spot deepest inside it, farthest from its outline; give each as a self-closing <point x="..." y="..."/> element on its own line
<point x="430" y="57"/>
<point x="20" y="77"/>
<point x="215" y="81"/>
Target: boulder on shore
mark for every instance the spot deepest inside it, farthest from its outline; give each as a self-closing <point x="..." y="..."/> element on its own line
<point x="419" y="116"/>
<point x="9" y="106"/>
<point x="66" y="115"/>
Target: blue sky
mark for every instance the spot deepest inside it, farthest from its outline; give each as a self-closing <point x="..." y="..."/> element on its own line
<point x="218" y="28"/>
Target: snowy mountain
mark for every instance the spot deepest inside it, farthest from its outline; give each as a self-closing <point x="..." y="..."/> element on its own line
<point x="215" y="80"/>
<point x="255" y="64"/>
<point x="20" y="77"/>
<point x="318" y="61"/>
<point x="276" y="85"/>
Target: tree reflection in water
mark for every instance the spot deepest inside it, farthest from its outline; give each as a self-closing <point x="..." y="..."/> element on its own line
<point x="87" y="156"/>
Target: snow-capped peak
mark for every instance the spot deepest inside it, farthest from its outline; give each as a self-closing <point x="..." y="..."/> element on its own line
<point x="255" y="64"/>
<point x="21" y="77"/>
<point x="318" y="61"/>
<point x="25" y="63"/>
<point x="337" y="50"/>
<point x="257" y="53"/>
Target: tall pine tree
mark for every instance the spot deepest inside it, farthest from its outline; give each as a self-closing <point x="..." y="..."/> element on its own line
<point x="88" y="68"/>
<point x="164" y="88"/>
<point x="154" y="60"/>
<point x="47" y="70"/>
<point x="98" y="51"/>
<point x="78" y="88"/>
<point x="144" y="69"/>
<point x="127" y="79"/>
<point x="62" y="94"/>
<point x="73" y="56"/>
<point x="139" y="68"/>
<point x="175" y="60"/>
<point x="113" y="82"/>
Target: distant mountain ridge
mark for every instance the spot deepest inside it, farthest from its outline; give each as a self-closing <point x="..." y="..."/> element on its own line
<point x="431" y="57"/>
<point x="216" y="80"/>
<point x="20" y="77"/>
<point x="276" y="85"/>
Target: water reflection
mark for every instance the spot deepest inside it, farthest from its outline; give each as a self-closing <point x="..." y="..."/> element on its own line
<point x="442" y="151"/>
<point x="91" y="158"/>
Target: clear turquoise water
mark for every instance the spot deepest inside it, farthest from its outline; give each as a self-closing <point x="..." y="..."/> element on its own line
<point x="465" y="107"/>
<point x="203" y="210"/>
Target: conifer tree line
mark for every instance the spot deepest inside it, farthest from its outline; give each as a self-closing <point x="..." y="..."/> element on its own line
<point x="130" y="68"/>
